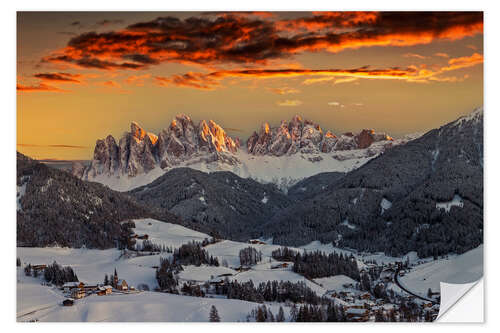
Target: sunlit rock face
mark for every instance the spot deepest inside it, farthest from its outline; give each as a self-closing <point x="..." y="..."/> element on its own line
<point x="139" y="151"/>
<point x="304" y="136"/>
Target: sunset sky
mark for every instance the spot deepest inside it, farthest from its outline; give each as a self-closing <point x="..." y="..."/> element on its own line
<point x="84" y="75"/>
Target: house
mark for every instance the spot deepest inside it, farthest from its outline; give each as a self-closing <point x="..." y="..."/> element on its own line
<point x="68" y="286"/>
<point x="121" y="285"/>
<point x="77" y="293"/>
<point x="365" y="296"/>
<point x="90" y="287"/>
<point x="218" y="281"/>
<point x="354" y="314"/>
<point x="104" y="290"/>
<point x="256" y="241"/>
<point x="38" y="268"/>
<point x="68" y="302"/>
<point x="281" y="265"/>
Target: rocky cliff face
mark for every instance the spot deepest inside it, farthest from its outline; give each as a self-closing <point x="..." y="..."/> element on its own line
<point x="307" y="137"/>
<point x="139" y="152"/>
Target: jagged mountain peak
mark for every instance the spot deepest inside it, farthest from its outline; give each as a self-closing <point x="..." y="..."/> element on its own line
<point x="207" y="146"/>
<point x="140" y="151"/>
<point x="307" y="136"/>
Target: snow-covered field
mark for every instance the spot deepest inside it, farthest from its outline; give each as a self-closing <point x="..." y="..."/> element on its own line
<point x="167" y="234"/>
<point x="44" y="304"/>
<point x="464" y="268"/>
<point x="336" y="282"/>
<point x="35" y="300"/>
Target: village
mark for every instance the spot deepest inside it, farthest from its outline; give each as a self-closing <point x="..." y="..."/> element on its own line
<point x="383" y="298"/>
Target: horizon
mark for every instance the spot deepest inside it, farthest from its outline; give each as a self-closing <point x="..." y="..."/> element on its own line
<point x="85" y="75"/>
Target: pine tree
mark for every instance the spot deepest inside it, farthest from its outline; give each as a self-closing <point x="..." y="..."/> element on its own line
<point x="18" y="262"/>
<point x="281" y="315"/>
<point x="261" y="316"/>
<point x="214" y="315"/>
<point x="293" y="313"/>
<point x="106" y="280"/>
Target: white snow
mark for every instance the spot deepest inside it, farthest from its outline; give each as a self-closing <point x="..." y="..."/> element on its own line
<point x="456" y="201"/>
<point x="168" y="234"/>
<point x="464" y="268"/>
<point x="283" y="171"/>
<point x="336" y="282"/>
<point x="43" y="303"/>
<point x="384" y="205"/>
<point x="21" y="190"/>
<point x="203" y="273"/>
<point x="347" y="224"/>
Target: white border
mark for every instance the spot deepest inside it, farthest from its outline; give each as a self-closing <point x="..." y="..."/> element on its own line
<point x="7" y="165"/>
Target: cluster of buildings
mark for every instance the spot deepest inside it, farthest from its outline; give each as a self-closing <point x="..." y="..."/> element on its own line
<point x="78" y="290"/>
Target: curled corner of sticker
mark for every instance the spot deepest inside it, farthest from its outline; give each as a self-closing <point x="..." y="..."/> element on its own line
<point x="451" y="293"/>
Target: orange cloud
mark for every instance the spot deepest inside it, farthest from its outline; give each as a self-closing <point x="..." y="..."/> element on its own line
<point x="464" y="62"/>
<point x="137" y="80"/>
<point x="109" y="83"/>
<point x="442" y="55"/>
<point x="284" y="90"/>
<point x="414" y="55"/>
<point x="211" y="81"/>
<point x="346" y="80"/>
<point x="288" y="102"/>
<point x="249" y="39"/>
<point x="42" y="87"/>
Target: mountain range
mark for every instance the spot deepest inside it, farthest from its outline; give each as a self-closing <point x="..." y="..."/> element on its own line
<point x="423" y="195"/>
<point x="283" y="154"/>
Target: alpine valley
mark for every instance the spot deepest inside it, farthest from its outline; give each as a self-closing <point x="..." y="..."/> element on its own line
<point x="353" y="226"/>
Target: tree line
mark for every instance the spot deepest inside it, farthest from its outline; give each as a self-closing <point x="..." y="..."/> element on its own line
<point x="318" y="264"/>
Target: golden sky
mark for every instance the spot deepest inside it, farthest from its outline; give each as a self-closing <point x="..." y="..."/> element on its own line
<point x="84" y="75"/>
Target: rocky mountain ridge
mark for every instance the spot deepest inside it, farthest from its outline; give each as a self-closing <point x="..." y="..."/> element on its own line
<point x="307" y="137"/>
<point x="183" y="143"/>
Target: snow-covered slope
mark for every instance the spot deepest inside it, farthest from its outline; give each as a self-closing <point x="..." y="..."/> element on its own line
<point x="464" y="268"/>
<point x="42" y="303"/>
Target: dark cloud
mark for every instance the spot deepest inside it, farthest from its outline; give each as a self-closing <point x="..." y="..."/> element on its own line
<point x="42" y="87"/>
<point x="109" y="22"/>
<point x="59" y="77"/>
<point x="250" y="39"/>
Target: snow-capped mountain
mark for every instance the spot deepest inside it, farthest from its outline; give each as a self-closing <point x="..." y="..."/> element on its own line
<point x="284" y="154"/>
<point x="307" y="137"/>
